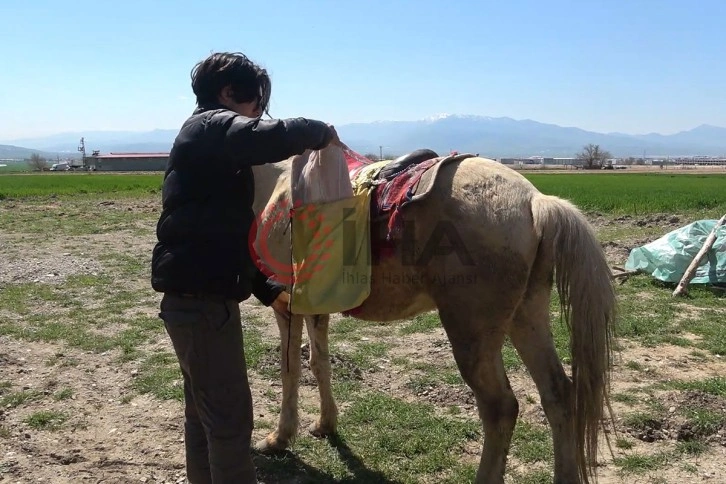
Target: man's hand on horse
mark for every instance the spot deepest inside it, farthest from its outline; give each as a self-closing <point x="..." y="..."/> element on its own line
<point x="281" y="304"/>
<point x="335" y="140"/>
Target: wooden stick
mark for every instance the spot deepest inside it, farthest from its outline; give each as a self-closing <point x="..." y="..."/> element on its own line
<point x="615" y="275"/>
<point x="622" y="276"/>
<point x="682" y="287"/>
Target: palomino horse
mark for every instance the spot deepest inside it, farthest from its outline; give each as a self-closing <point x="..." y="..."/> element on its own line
<point x="517" y="243"/>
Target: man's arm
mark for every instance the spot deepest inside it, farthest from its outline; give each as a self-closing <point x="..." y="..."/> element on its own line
<point x="265" y="289"/>
<point x="257" y="142"/>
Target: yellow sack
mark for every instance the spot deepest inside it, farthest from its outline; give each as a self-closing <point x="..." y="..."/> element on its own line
<point x="331" y="255"/>
<point x="366" y="176"/>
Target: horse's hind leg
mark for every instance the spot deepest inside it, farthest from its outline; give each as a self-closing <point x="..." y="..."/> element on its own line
<point x="317" y="327"/>
<point x="477" y="346"/>
<point x="290" y="341"/>
<point x="530" y="334"/>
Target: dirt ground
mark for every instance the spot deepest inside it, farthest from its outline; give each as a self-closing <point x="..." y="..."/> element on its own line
<point x="115" y="435"/>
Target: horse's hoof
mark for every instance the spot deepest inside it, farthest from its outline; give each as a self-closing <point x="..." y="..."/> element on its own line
<point x="320" y="431"/>
<point x="271" y="445"/>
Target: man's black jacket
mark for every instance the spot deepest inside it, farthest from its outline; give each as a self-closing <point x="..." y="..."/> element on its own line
<point x="207" y="199"/>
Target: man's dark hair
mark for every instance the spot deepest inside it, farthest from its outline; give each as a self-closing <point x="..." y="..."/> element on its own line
<point x="249" y="82"/>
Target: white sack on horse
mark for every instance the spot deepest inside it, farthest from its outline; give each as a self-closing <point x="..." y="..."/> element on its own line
<point x="330" y="235"/>
<point x="320" y="176"/>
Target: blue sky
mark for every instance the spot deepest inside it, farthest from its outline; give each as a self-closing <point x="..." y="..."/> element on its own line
<point x="630" y="66"/>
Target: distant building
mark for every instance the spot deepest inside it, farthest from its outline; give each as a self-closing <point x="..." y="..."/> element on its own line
<point x="699" y="161"/>
<point x="563" y="161"/>
<point x="127" y="161"/>
<point x="539" y="160"/>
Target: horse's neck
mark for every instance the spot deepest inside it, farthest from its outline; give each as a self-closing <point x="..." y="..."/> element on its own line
<point x="267" y="179"/>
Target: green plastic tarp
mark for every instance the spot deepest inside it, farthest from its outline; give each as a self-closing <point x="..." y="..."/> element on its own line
<point x="667" y="258"/>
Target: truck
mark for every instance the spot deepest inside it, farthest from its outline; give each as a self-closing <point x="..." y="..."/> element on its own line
<point x="63" y="166"/>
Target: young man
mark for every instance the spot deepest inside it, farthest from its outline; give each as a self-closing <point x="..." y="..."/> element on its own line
<point x="201" y="261"/>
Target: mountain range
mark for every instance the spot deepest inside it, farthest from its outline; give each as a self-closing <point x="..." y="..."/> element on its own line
<point x="491" y="137"/>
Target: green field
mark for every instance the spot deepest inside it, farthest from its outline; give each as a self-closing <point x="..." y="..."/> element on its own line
<point x="13" y="167"/>
<point x="632" y="193"/>
<point x="636" y="193"/>
<point x="74" y="184"/>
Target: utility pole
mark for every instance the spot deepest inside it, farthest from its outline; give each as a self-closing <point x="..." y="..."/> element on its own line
<point x="82" y="149"/>
<point x="380" y="157"/>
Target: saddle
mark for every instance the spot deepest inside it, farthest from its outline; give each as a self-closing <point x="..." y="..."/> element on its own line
<point x="402" y="163"/>
<point x="395" y="184"/>
<point x="392" y="186"/>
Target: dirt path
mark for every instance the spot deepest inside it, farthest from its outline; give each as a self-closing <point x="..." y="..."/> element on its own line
<point x="113" y="434"/>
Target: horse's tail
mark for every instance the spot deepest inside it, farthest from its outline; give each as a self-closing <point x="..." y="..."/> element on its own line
<point x="588" y="307"/>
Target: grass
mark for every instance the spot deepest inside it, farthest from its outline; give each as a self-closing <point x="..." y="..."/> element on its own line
<point x="634" y="365"/>
<point x="74" y="184"/>
<point x="649" y="315"/>
<point x="701" y="420"/>
<point x="405" y="439"/>
<point x="14" y="167"/>
<point x="344" y="329"/>
<point x="423" y="375"/>
<point x="423" y="323"/>
<point x="704" y="421"/>
<point x="636" y="193"/>
<point x="691" y="447"/>
<point x="159" y="373"/>
<point x="77" y="330"/>
<point x="366" y="355"/>
<point x="160" y="376"/>
<point x="46" y="420"/>
<point x="624" y="193"/>
<point x="627" y="398"/>
<point x="257" y="350"/>
<point x="540" y="476"/>
<point x="66" y="319"/>
<point x="349" y="329"/>
<point x="622" y="443"/>
<point x="713" y="386"/>
<point x="16" y="399"/>
<point x="641" y="463"/>
<point x="642" y="420"/>
<point x="532" y="443"/>
<point x="383" y="438"/>
<point x="76" y="215"/>
<point x="127" y="265"/>
<point x="63" y="394"/>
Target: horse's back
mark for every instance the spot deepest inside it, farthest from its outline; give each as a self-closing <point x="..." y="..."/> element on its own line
<point x="488" y="204"/>
<point x="472" y="234"/>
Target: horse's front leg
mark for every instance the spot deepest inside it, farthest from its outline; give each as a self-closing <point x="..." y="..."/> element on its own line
<point x="290" y="341"/>
<point x="317" y="327"/>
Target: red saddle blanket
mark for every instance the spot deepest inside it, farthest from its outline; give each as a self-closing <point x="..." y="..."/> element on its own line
<point x="389" y="197"/>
